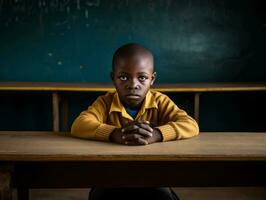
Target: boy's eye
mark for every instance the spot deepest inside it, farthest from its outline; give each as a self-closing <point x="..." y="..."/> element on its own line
<point x="143" y="78"/>
<point x="123" y="78"/>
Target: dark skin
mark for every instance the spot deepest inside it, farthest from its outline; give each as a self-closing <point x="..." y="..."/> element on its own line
<point x="133" y="77"/>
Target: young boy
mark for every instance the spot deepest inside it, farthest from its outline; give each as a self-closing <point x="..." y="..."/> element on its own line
<point x="133" y="114"/>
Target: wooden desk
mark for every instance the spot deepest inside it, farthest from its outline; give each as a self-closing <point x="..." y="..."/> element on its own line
<point x="47" y="160"/>
<point x="56" y="88"/>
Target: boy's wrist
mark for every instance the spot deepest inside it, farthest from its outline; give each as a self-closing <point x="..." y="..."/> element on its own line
<point x="158" y="135"/>
<point x="115" y="135"/>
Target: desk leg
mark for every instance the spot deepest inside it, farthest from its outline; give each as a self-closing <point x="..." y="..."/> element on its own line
<point x="196" y="106"/>
<point x="55" y="112"/>
<point x="64" y="114"/>
<point x="5" y="186"/>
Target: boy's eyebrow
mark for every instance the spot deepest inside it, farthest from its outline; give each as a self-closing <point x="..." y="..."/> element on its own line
<point x="142" y="73"/>
<point x="122" y="72"/>
<point x="139" y="73"/>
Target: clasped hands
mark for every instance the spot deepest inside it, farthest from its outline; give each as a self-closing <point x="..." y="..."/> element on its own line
<point x="136" y="133"/>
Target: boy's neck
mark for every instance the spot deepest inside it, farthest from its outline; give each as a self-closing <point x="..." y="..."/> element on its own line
<point x="133" y="107"/>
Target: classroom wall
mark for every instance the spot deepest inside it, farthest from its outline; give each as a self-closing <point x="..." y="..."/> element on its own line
<point x="192" y="41"/>
<point x="72" y="40"/>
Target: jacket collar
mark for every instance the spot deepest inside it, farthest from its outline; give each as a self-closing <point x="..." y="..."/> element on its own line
<point x="117" y="106"/>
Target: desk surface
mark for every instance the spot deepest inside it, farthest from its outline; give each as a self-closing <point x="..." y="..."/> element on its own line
<point x="46" y="146"/>
<point x="175" y="87"/>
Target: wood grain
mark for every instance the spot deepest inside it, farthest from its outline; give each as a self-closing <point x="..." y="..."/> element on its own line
<point x="97" y="87"/>
<point x="46" y="146"/>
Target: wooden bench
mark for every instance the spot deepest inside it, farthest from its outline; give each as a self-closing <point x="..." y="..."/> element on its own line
<point x="56" y="88"/>
<point x="49" y="160"/>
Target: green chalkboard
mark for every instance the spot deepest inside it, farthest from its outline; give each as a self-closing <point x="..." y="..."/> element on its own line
<point x="73" y="40"/>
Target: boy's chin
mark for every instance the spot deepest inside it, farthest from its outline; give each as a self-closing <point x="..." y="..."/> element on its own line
<point x="133" y="104"/>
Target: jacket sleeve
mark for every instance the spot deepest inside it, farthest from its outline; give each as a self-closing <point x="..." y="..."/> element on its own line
<point x="175" y="123"/>
<point x="90" y="124"/>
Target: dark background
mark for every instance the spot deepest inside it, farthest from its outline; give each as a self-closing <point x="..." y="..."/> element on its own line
<point x="192" y="41"/>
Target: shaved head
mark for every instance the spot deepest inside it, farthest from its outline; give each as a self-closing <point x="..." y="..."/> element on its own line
<point x="133" y="73"/>
<point x="131" y="51"/>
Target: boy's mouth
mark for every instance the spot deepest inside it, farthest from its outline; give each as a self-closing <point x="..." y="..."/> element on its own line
<point x="133" y="96"/>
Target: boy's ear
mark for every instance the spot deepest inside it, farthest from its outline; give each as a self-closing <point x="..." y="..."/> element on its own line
<point x="153" y="77"/>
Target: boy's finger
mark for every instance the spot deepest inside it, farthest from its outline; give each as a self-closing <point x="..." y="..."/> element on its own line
<point x="146" y="127"/>
<point x="135" y="126"/>
<point x="143" y="122"/>
<point x="130" y="128"/>
<point x="143" y="132"/>
<point x="131" y="137"/>
<point x="138" y="141"/>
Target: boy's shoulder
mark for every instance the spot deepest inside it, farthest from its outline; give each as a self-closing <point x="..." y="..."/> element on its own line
<point x="158" y="95"/>
<point x="108" y="96"/>
<point x="154" y="95"/>
<point x="161" y="100"/>
<point x="110" y="93"/>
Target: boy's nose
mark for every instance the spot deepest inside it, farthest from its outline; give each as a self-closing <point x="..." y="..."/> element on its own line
<point x="133" y="84"/>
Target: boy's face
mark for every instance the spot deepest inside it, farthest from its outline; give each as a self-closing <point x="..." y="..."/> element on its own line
<point x="132" y="78"/>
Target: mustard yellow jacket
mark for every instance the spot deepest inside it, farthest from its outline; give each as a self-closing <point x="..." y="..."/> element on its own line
<point x="108" y="113"/>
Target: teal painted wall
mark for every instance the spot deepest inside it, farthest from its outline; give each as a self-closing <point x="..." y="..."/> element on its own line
<point x="73" y="41"/>
<point x="192" y="41"/>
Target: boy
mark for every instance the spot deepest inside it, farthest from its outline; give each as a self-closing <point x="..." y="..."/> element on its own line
<point x="134" y="115"/>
